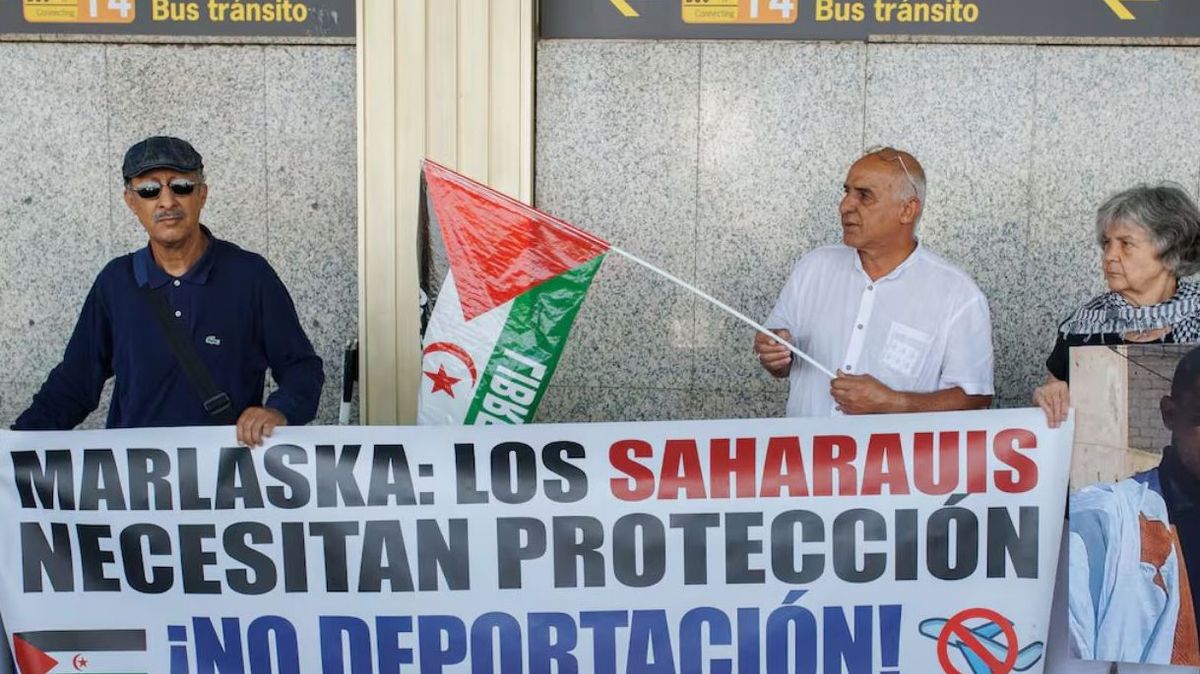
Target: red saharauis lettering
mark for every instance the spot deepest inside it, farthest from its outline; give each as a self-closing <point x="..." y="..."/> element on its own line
<point x="838" y="465"/>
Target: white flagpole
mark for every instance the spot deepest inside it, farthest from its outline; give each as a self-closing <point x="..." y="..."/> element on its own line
<point x="740" y="316"/>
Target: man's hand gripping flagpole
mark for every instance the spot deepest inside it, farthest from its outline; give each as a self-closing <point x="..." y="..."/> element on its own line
<point x="737" y="314"/>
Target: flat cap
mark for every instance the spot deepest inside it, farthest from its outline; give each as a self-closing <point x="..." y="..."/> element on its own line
<point x="159" y="152"/>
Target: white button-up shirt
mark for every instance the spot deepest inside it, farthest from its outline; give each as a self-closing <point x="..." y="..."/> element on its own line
<point x="923" y="327"/>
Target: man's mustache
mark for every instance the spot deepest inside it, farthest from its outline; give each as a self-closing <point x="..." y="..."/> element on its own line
<point x="173" y="213"/>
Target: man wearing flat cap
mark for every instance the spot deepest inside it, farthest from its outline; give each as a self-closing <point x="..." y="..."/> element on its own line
<point x="188" y="325"/>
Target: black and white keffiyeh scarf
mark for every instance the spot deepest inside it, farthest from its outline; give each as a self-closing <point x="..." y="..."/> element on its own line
<point x="1111" y="313"/>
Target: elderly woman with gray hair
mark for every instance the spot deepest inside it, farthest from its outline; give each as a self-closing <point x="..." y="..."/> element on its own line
<point x="1150" y="238"/>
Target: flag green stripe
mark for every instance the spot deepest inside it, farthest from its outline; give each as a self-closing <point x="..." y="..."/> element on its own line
<point x="529" y="348"/>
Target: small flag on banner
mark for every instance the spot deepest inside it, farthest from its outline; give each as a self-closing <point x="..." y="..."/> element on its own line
<point x="92" y="651"/>
<point x="516" y="279"/>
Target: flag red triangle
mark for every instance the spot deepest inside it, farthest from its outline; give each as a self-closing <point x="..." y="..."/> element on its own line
<point x="499" y="247"/>
<point x="31" y="660"/>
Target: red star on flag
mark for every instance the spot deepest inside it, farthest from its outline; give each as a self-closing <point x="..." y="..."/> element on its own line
<point x="443" y="381"/>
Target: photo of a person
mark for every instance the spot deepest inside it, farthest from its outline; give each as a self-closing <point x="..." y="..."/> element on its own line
<point x="1134" y="544"/>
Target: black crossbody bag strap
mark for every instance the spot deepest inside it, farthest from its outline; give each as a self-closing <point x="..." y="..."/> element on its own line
<point x="216" y="402"/>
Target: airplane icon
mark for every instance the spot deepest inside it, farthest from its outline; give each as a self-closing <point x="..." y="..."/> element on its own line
<point x="986" y="635"/>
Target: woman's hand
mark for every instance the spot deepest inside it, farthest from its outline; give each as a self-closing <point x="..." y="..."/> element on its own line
<point x="1055" y="399"/>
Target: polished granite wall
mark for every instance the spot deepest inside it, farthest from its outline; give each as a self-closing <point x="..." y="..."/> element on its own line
<point x="720" y="161"/>
<point x="276" y="126"/>
<point x="723" y="162"/>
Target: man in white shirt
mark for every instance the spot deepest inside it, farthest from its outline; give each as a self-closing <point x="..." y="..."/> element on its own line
<point x="906" y="330"/>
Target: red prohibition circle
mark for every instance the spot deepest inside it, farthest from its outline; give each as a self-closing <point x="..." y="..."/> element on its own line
<point x="956" y="625"/>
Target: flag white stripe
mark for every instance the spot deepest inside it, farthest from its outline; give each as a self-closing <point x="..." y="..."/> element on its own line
<point x="477" y="337"/>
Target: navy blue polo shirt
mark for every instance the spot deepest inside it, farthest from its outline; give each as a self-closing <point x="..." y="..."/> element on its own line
<point x="240" y="319"/>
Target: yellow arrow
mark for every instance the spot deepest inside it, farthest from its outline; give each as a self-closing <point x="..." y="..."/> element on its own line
<point x="629" y="12"/>
<point x="1118" y="7"/>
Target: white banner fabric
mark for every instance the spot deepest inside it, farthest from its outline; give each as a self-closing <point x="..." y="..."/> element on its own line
<point x="888" y="544"/>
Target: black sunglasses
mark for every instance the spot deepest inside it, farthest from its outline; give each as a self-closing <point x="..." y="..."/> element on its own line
<point x="180" y="187"/>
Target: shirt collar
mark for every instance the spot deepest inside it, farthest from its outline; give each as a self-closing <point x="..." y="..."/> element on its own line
<point x="1179" y="486"/>
<point x="146" y="272"/>
<point x="908" y="262"/>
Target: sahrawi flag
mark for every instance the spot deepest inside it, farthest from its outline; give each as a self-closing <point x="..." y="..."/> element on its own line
<point x="516" y="279"/>
<point x="103" y="651"/>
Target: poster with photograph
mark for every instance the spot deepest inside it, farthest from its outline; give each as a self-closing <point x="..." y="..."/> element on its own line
<point x="1134" y="541"/>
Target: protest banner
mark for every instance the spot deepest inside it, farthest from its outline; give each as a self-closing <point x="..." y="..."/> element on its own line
<point x="903" y="543"/>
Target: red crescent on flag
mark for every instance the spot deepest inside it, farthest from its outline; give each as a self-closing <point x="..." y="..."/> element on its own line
<point x="78" y="662"/>
<point x="456" y="351"/>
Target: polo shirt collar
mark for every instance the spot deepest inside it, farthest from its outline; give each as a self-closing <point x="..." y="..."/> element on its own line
<point x="146" y="272"/>
<point x="908" y="262"/>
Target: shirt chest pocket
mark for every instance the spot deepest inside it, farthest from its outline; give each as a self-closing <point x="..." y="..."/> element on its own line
<point x="905" y="351"/>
